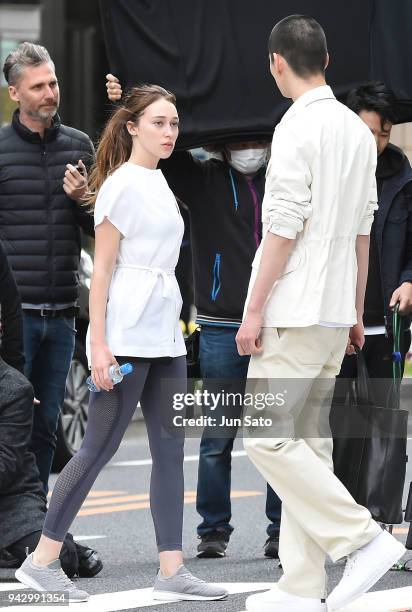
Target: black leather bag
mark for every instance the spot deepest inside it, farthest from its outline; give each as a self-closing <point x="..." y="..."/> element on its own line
<point x="192" y="359"/>
<point x="370" y="447"/>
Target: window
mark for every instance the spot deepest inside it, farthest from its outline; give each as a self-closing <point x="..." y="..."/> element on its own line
<point x="18" y="23"/>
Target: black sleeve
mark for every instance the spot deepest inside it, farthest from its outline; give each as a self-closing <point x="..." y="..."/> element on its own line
<point x="406" y="275"/>
<point x="11" y="346"/>
<point x="185" y="176"/>
<point x="84" y="213"/>
<point x="16" y="405"/>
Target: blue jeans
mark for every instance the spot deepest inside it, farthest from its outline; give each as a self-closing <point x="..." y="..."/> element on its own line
<point x="219" y="359"/>
<point x="48" y="350"/>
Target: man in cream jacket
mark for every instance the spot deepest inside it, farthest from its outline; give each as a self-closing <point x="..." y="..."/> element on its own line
<point x="303" y="312"/>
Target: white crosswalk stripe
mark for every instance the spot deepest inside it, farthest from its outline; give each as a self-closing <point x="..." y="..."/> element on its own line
<point x="124" y="600"/>
<point x="395" y="600"/>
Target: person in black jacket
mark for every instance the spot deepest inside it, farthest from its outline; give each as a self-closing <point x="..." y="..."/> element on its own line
<point x="40" y="213"/>
<point x="224" y="197"/>
<point x="390" y="255"/>
<point x="11" y="320"/>
<point x="23" y="503"/>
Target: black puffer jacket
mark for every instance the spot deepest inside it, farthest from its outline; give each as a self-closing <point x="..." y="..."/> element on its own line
<point x="22" y="499"/>
<point x="11" y="320"/>
<point x="39" y="223"/>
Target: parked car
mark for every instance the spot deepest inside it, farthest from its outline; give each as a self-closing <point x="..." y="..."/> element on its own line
<point x="73" y="417"/>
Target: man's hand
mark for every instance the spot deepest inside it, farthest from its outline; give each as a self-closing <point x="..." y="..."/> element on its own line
<point x="247" y="338"/>
<point x="403" y="295"/>
<point x="114" y="89"/>
<point x="356" y="338"/>
<point x="74" y="183"/>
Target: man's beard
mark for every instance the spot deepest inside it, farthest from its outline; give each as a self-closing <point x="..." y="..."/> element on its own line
<point x="43" y="116"/>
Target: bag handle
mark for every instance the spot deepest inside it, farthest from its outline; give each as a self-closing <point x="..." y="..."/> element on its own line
<point x="397" y="356"/>
<point x="363" y="385"/>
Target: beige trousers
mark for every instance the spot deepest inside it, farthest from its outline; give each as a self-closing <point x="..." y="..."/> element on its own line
<point x="319" y="516"/>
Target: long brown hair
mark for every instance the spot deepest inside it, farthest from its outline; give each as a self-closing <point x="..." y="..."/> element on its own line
<point x="115" y="144"/>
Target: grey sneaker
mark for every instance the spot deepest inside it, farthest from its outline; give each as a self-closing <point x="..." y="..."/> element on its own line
<point x="50" y="578"/>
<point x="184" y="586"/>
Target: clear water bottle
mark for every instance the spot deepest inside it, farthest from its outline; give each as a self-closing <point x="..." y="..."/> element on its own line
<point x="116" y="373"/>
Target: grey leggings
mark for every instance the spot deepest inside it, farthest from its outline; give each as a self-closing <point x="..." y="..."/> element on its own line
<point x="109" y="415"/>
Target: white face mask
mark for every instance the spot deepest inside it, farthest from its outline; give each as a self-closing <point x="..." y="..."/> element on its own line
<point x="248" y="161"/>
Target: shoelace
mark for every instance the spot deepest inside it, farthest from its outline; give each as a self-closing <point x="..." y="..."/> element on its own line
<point x="65" y="580"/>
<point x="191" y="577"/>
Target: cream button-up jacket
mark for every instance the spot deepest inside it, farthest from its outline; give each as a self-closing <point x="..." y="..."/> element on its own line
<point x="321" y="191"/>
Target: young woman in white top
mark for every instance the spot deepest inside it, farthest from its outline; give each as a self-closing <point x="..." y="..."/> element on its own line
<point x="134" y="316"/>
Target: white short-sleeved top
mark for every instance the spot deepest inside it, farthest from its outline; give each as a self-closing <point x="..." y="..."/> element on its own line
<point x="144" y="301"/>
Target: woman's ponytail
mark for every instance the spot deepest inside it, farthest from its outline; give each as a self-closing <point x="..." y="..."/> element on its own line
<point x="116" y="143"/>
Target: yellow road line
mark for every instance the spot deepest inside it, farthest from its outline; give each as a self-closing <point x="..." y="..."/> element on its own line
<point x="189" y="498"/>
<point x="106" y="499"/>
<point x="114" y="500"/>
<point x="102" y="493"/>
<point x="109" y="509"/>
<point x="123" y="498"/>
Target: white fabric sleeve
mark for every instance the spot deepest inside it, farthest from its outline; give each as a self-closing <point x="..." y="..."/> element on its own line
<point x="288" y="181"/>
<point x="114" y="203"/>
<point x="367" y="219"/>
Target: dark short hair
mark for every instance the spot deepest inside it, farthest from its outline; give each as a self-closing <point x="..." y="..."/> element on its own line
<point x="302" y="42"/>
<point x="374" y="96"/>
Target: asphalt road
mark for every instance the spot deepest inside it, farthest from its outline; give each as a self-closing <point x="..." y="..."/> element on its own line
<point x="116" y="520"/>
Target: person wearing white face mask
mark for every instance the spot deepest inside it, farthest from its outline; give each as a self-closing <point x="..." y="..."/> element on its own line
<point x="247" y="161"/>
<point x="224" y="197"/>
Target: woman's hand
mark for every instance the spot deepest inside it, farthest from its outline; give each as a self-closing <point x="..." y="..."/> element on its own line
<point x="102" y="359"/>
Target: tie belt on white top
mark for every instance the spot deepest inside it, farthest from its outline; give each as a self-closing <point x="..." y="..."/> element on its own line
<point x="139" y="295"/>
<point x="164" y="274"/>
